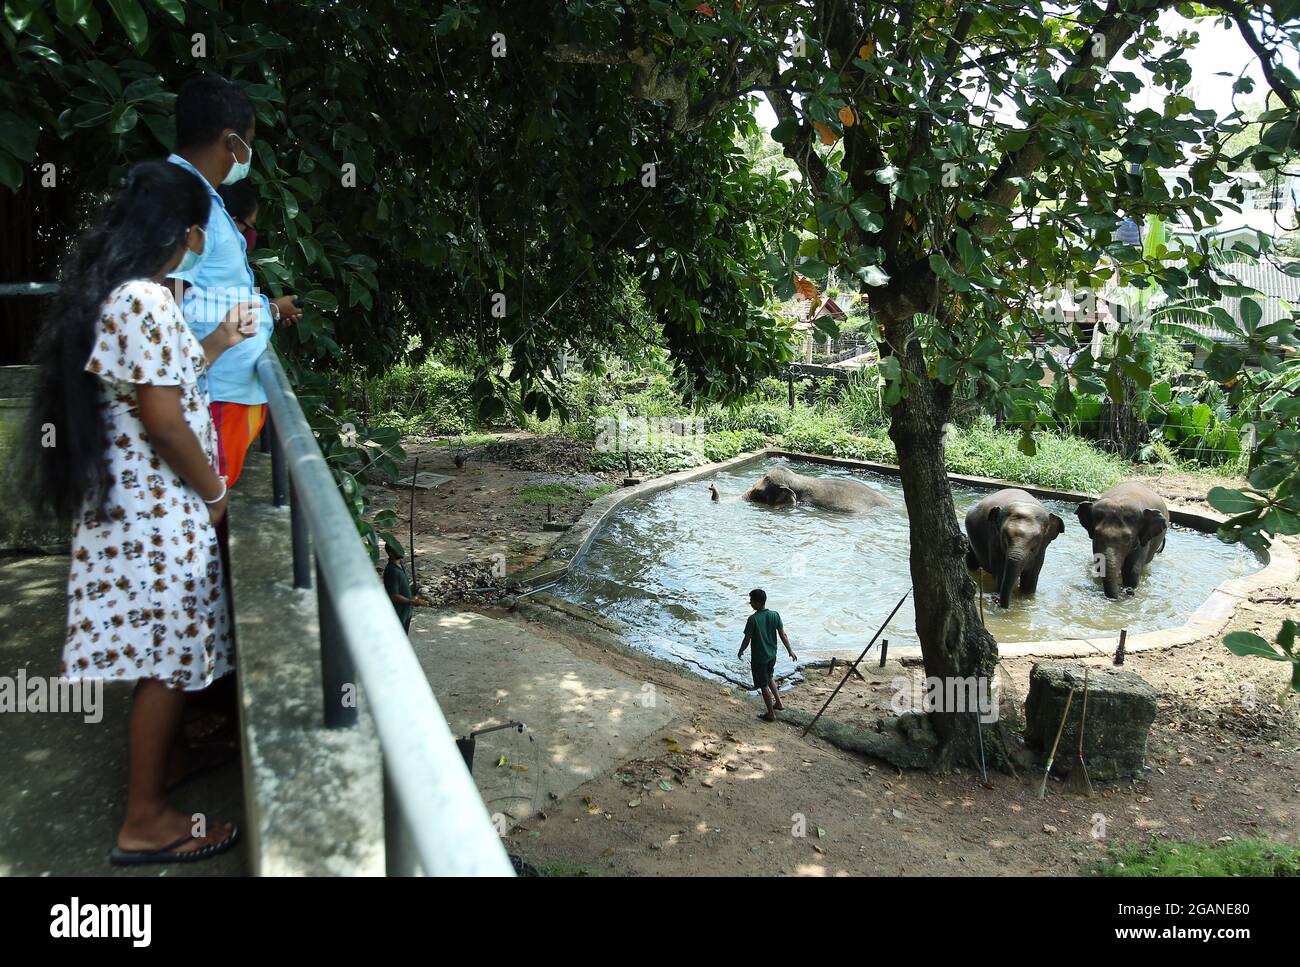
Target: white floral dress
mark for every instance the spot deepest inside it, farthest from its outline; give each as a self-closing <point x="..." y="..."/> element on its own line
<point x="146" y="596"/>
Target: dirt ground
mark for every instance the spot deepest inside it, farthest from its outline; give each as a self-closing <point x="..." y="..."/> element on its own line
<point x="719" y="792"/>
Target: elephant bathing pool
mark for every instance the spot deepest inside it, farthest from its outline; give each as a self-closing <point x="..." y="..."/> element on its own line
<point x="675" y="567"/>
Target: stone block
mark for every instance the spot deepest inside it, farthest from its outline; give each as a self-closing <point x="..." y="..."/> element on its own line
<point x="1121" y="708"/>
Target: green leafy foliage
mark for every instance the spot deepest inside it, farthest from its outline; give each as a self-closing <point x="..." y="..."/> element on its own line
<point x="424" y="398"/>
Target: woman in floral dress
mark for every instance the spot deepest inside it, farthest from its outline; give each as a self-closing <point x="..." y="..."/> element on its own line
<point x="131" y="465"/>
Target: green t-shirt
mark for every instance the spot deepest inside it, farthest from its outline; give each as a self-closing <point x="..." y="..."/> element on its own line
<point x="396" y="582"/>
<point x="761" y="629"/>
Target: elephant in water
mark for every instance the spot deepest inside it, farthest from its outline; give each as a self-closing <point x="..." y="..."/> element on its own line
<point x="1009" y="532"/>
<point x="781" y="486"/>
<point x="1127" y="524"/>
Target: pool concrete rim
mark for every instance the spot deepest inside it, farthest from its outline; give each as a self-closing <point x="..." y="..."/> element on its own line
<point x="1280" y="564"/>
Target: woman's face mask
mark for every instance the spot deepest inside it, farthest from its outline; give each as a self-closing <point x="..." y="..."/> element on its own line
<point x="241" y="168"/>
<point x="192" y="258"/>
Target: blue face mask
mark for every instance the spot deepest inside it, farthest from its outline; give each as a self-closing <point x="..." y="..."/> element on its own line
<point x="192" y="258"/>
<point x="241" y="168"/>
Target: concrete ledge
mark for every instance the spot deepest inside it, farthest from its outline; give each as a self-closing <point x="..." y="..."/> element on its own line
<point x="1280" y="564"/>
<point x="313" y="796"/>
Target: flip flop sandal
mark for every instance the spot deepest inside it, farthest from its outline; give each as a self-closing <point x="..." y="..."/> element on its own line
<point x="205" y="758"/>
<point x="167" y="854"/>
<point x="762" y="717"/>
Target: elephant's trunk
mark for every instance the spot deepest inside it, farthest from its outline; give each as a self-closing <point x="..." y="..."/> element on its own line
<point x="1110" y="579"/>
<point x="1010" y="577"/>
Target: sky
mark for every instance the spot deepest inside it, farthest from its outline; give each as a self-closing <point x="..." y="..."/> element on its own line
<point x="1219" y="49"/>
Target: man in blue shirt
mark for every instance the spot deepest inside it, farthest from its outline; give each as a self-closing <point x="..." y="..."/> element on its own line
<point x="214" y="139"/>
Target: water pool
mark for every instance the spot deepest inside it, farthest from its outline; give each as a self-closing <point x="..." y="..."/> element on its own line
<point x="676" y="568"/>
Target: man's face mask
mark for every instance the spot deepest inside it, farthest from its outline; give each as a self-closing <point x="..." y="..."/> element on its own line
<point x="241" y="168"/>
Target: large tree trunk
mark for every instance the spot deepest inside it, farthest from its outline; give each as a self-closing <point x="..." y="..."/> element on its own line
<point x="954" y="642"/>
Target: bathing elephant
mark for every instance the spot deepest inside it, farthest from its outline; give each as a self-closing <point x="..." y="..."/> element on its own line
<point x="1009" y="532"/>
<point x="1127" y="525"/>
<point x="781" y="486"/>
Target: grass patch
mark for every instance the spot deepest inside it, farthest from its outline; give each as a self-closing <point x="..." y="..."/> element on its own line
<point x="559" y="493"/>
<point x="564" y="870"/>
<point x="1242" y="857"/>
<point x="1061" y="462"/>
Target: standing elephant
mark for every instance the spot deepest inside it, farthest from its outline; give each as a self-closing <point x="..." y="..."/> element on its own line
<point x="1009" y="532"/>
<point x="1127" y="526"/>
<point x="781" y="486"/>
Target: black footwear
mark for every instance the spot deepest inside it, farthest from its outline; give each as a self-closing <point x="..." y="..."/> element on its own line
<point x="168" y="854"/>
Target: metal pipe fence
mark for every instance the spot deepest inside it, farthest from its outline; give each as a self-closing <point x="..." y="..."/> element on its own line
<point x="433" y="815"/>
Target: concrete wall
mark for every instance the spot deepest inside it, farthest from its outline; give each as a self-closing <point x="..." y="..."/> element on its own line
<point x="20" y="530"/>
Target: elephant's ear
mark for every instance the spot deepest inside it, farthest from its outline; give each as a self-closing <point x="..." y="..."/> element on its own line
<point x="1153" y="525"/>
<point x="1084" y="514"/>
<point x="994" y="515"/>
<point x="794" y="498"/>
<point x="1057" y="525"/>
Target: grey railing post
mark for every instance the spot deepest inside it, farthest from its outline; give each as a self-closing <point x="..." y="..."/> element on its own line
<point x="279" y="472"/>
<point x="300" y="539"/>
<point x="338" y="675"/>
<point x="399" y="848"/>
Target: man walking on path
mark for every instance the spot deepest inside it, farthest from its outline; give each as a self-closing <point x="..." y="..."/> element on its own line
<point x="761" y="630"/>
<point x="398" y="586"/>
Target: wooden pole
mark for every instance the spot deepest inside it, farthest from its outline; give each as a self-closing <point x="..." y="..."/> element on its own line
<point x="854" y="667"/>
<point x="414" y="473"/>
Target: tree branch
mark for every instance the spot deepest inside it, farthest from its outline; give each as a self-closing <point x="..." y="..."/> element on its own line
<point x="1116" y="27"/>
<point x="1241" y="17"/>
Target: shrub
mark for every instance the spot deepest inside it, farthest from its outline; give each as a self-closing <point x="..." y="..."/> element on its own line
<point x="1063" y="462"/>
<point x="860" y="405"/>
<point x="729" y="443"/>
<point x="430" y="397"/>
<point x="766" y="417"/>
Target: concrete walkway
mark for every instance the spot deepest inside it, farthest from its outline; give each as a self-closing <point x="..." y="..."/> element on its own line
<point x="65" y="779"/>
<point x="583" y="719"/>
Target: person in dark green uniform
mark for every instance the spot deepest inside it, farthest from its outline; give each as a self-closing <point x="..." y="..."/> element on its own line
<point x="761" y="630"/>
<point x="398" y="586"/>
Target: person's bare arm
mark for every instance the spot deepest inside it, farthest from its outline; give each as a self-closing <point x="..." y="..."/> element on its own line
<point x="743" y="645"/>
<point x="239" y="323"/>
<point x="786" y="640"/>
<point x="171" y="436"/>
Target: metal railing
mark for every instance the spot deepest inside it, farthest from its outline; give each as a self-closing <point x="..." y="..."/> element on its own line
<point x="434" y="818"/>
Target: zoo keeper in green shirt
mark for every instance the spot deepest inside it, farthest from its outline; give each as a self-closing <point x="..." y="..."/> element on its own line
<point x="761" y="630"/>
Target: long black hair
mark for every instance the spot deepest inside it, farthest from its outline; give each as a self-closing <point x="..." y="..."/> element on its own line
<point x="134" y="236"/>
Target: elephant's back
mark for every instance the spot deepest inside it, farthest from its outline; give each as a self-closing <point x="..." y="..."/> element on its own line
<point x="1143" y="495"/>
<point x="852" y="494"/>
